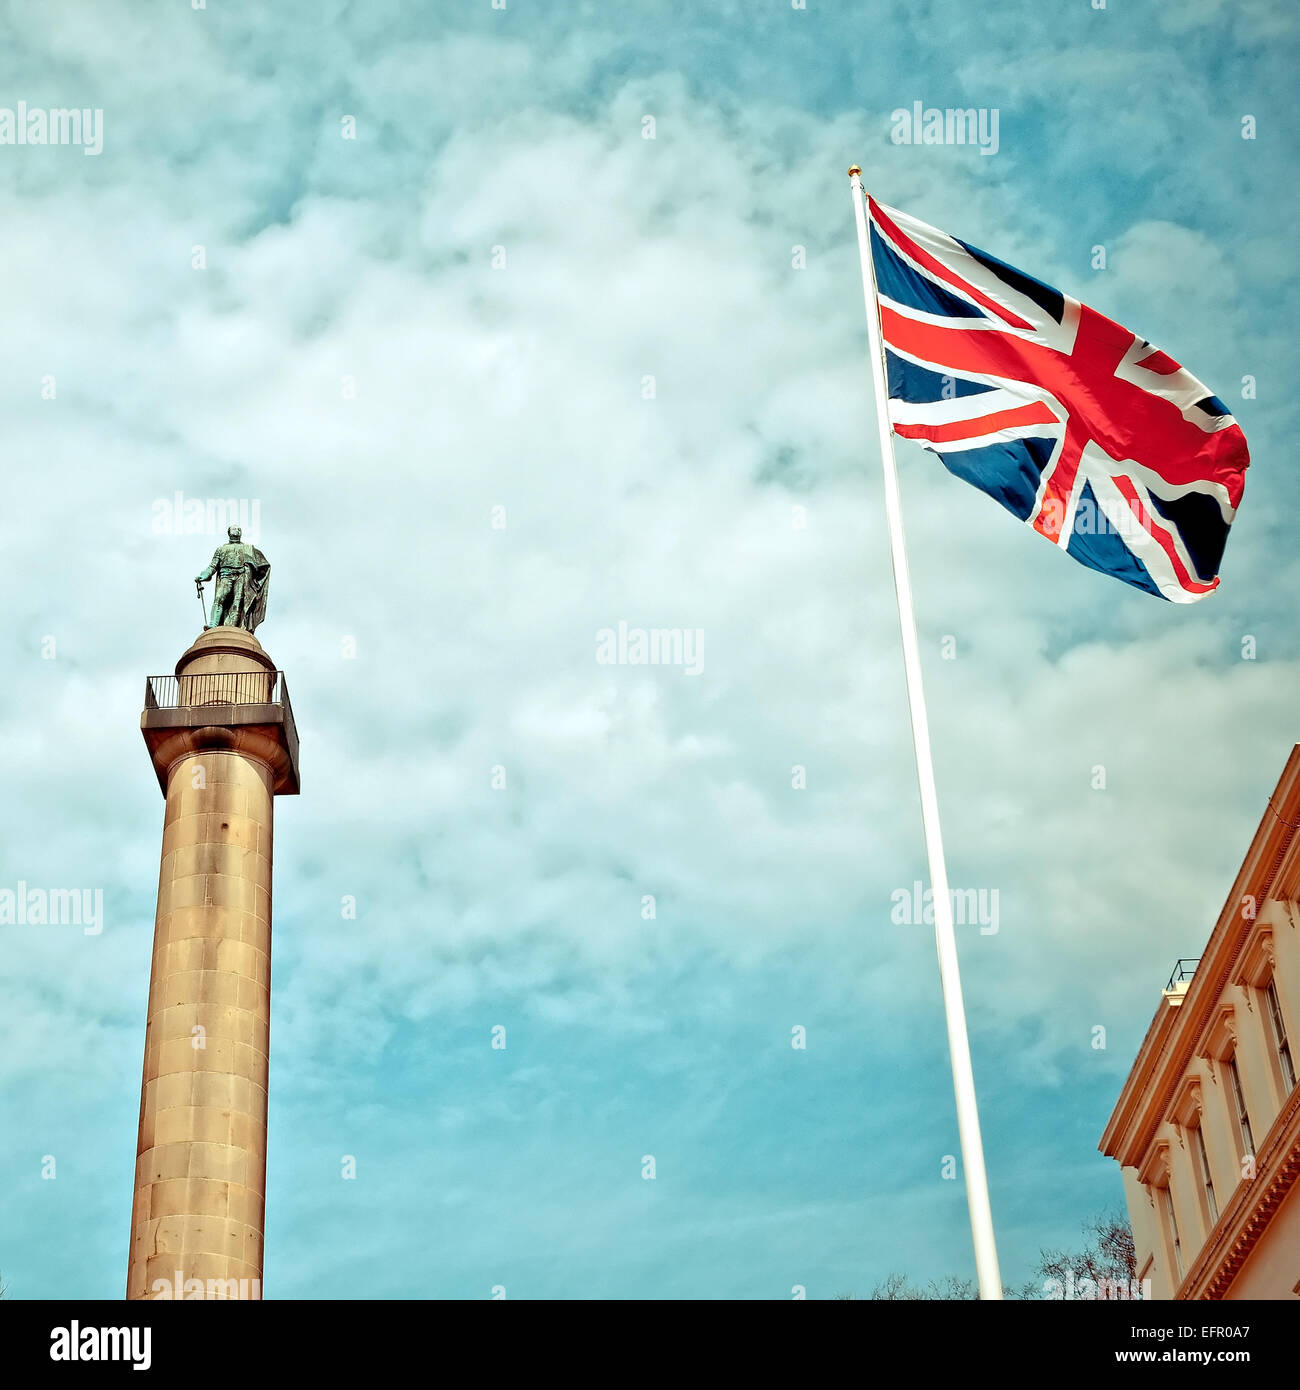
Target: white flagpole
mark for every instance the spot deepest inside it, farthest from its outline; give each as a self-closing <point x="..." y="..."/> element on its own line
<point x="963" y="1078"/>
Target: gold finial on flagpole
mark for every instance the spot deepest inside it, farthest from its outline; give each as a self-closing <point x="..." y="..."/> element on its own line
<point x="853" y="169"/>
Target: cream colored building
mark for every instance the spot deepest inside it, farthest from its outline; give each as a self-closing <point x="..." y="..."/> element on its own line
<point x="1207" y="1127"/>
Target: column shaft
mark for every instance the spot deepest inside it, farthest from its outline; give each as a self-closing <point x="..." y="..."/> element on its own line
<point x="200" y="1180"/>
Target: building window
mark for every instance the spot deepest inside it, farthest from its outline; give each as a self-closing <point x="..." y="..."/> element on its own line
<point x="1207" y="1181"/>
<point x="1279" y="1035"/>
<point x="1171" y="1225"/>
<point x="1239" y="1105"/>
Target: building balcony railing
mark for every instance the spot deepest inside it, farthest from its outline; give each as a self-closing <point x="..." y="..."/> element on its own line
<point x="1184" y="969"/>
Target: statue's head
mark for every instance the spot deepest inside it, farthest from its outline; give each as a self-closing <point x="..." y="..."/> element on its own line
<point x="234" y="533"/>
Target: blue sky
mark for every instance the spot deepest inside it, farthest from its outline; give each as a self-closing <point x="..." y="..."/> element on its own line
<point x="521" y="388"/>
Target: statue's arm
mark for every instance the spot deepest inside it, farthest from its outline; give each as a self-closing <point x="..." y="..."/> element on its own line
<point x="207" y="573"/>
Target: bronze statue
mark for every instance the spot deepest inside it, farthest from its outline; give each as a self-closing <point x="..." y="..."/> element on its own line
<point x="243" y="577"/>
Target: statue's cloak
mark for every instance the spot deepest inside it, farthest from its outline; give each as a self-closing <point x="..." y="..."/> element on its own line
<point x="258" y="585"/>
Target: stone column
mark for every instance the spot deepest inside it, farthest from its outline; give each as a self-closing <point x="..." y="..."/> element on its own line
<point x="200" y="1180"/>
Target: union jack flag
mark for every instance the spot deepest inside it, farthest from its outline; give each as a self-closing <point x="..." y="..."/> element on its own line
<point x="1099" y="441"/>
